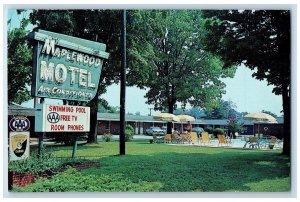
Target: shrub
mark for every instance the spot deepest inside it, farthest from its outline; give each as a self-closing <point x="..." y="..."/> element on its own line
<point x="45" y="162"/>
<point x="209" y="129"/>
<point x="129" y="132"/>
<point x="36" y="163"/>
<point x="218" y="131"/>
<point x="107" y="137"/>
<point x="234" y="126"/>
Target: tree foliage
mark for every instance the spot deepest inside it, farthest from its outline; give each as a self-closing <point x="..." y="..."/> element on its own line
<point x="270" y="113"/>
<point x="260" y="39"/>
<point x="234" y="126"/>
<point x="170" y="60"/>
<point x="19" y="64"/>
<point x="196" y="112"/>
<point x="222" y="110"/>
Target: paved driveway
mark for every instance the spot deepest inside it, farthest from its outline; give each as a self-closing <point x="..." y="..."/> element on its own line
<point x="135" y="137"/>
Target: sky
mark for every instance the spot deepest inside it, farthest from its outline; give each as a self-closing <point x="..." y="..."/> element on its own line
<point x="249" y="94"/>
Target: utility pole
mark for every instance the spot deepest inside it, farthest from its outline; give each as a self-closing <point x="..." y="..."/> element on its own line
<point x="150" y="111"/>
<point x="123" y="85"/>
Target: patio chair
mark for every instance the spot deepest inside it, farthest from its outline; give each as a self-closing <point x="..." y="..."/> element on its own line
<point x="223" y="140"/>
<point x="264" y="142"/>
<point x="274" y="142"/>
<point x="167" y="138"/>
<point x="176" y="138"/>
<point x="157" y="139"/>
<point x="205" y="138"/>
<point x="253" y="143"/>
<point x="194" y="138"/>
<point x="185" y="138"/>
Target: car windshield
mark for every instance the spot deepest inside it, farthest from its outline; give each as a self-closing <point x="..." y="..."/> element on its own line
<point x="156" y="128"/>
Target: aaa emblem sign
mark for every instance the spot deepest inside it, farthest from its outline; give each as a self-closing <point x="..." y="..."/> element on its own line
<point x="19" y="123"/>
<point x="18" y="145"/>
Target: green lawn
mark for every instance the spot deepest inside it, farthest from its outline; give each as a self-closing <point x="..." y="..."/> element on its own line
<point x="165" y="168"/>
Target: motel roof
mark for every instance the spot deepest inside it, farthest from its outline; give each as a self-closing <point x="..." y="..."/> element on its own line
<point x="139" y="118"/>
<point x="14" y="110"/>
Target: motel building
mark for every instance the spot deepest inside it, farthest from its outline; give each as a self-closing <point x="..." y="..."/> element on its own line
<point x="110" y="123"/>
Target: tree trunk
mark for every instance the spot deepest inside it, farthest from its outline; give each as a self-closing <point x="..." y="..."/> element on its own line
<point x="169" y="124"/>
<point x="287" y="121"/>
<point x="92" y="137"/>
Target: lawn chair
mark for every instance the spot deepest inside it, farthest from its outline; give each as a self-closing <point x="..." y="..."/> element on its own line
<point x="274" y="142"/>
<point x="176" y="138"/>
<point x="205" y="138"/>
<point x="194" y="138"/>
<point x="157" y="139"/>
<point x="264" y="142"/>
<point x="185" y="138"/>
<point x="253" y="143"/>
<point x="167" y="138"/>
<point x="223" y="140"/>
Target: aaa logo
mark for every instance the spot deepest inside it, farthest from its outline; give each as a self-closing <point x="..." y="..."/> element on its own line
<point x="19" y="123"/>
<point x="53" y="117"/>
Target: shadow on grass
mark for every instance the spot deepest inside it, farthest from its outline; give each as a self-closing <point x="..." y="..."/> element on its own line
<point x="179" y="172"/>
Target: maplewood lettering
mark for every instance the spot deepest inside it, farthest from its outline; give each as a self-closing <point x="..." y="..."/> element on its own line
<point x="51" y="73"/>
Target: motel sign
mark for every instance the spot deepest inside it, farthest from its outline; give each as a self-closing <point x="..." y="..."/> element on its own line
<point x="66" y="67"/>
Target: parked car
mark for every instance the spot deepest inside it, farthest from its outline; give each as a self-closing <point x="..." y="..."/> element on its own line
<point x="155" y="130"/>
<point x="198" y="130"/>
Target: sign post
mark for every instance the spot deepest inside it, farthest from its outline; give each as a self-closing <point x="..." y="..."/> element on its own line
<point x="74" y="148"/>
<point x="123" y="86"/>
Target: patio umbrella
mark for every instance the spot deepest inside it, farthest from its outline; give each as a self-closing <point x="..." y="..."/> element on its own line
<point x="166" y="117"/>
<point x="260" y="117"/>
<point x="184" y="118"/>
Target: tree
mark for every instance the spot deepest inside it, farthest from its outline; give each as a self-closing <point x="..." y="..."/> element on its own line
<point x="96" y="25"/>
<point x="234" y="126"/>
<point x="270" y="113"/>
<point x="19" y="63"/>
<point x="222" y="110"/>
<point x="169" y="59"/>
<point x="196" y="112"/>
<point x="261" y="39"/>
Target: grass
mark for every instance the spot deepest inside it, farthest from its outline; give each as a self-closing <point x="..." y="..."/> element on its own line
<point x="165" y="168"/>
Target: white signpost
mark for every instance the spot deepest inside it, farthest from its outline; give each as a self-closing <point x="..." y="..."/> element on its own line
<point x="62" y="118"/>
